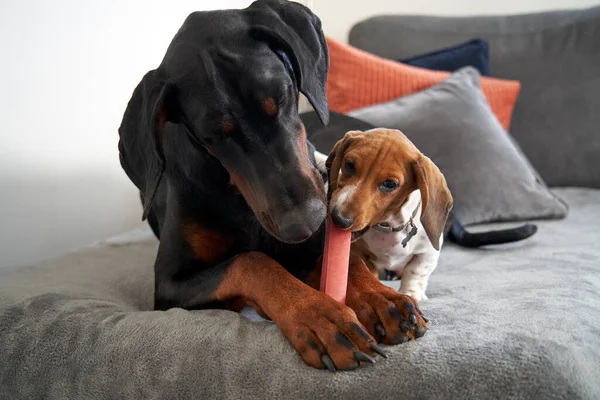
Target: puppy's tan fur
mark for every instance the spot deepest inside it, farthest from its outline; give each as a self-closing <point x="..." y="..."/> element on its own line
<point x="378" y="155"/>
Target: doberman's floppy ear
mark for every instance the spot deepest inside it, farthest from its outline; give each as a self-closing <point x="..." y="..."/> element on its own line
<point x="295" y="30"/>
<point x="333" y="165"/>
<point x="436" y="199"/>
<point x="140" y="144"/>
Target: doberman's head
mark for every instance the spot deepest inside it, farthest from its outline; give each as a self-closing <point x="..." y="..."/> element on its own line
<point x="372" y="174"/>
<point x="232" y="79"/>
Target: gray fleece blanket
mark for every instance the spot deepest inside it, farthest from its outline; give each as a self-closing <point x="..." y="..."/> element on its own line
<point x="518" y="321"/>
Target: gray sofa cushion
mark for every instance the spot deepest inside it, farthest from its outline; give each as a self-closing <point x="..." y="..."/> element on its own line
<point x="452" y="123"/>
<point x="516" y="322"/>
<point x="554" y="55"/>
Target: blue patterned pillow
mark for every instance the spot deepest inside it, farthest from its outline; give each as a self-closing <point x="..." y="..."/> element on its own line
<point x="473" y="53"/>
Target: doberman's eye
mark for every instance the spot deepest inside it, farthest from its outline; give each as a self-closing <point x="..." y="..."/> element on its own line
<point x="349" y="167"/>
<point x="388" y="185"/>
<point x="270" y="106"/>
<point x="227" y="126"/>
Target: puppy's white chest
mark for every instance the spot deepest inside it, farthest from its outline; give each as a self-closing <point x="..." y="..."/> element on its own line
<point x="388" y="250"/>
<point x="387" y="246"/>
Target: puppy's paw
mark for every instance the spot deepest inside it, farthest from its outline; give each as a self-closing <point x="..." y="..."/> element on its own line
<point x="417" y="294"/>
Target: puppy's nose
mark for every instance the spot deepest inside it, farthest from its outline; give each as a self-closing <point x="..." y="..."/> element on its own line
<point x="340" y="220"/>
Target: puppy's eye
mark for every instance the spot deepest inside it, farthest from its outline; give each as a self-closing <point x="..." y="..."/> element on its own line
<point x="349" y="167"/>
<point x="388" y="185"/>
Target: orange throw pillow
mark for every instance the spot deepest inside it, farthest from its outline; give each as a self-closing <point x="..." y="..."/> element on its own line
<point x="359" y="79"/>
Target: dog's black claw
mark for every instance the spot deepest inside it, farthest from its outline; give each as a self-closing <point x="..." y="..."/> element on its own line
<point x="378" y="350"/>
<point x="380" y="331"/>
<point x="360" y="356"/>
<point x="327" y="362"/>
<point x="421" y="314"/>
<point x="405" y="326"/>
<point x="413" y="319"/>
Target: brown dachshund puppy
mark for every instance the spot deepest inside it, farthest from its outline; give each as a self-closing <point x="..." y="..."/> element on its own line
<point x="394" y="200"/>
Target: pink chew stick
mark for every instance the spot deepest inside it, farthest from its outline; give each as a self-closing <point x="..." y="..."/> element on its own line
<point x="334" y="272"/>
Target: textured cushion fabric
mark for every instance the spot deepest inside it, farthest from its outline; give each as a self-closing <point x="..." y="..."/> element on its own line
<point x="490" y="179"/>
<point x="555" y="56"/>
<point x="514" y="322"/>
<point x="358" y="79"/>
<point x="473" y="53"/>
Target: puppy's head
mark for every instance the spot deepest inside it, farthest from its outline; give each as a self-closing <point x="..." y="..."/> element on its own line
<point x="372" y="174"/>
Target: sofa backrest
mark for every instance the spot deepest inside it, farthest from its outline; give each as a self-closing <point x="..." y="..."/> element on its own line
<point x="555" y="55"/>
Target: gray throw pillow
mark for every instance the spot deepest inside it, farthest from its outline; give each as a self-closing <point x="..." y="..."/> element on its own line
<point x="554" y="54"/>
<point x="452" y="123"/>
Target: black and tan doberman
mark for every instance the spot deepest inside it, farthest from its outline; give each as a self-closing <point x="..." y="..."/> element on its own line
<point x="228" y="183"/>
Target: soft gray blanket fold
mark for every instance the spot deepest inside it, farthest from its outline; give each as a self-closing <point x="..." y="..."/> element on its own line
<point x="522" y="321"/>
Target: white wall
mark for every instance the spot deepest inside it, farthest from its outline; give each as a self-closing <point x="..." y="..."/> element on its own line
<point x="68" y="70"/>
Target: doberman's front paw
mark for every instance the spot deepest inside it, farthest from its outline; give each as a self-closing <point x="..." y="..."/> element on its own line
<point x="390" y="317"/>
<point x="328" y="334"/>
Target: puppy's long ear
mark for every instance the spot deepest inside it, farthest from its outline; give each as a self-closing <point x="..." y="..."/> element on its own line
<point x="295" y="30"/>
<point x="336" y="158"/>
<point x="436" y="199"/>
<point x="140" y="143"/>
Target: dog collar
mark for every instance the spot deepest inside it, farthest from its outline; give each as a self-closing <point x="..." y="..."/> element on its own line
<point x="393" y="229"/>
<point x="384" y="227"/>
<point x="391" y="275"/>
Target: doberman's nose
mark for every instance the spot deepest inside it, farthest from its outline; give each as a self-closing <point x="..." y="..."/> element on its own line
<point x="299" y="225"/>
<point x="340" y="220"/>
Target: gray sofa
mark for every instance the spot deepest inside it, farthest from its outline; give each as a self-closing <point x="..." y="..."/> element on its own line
<point x="514" y="321"/>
